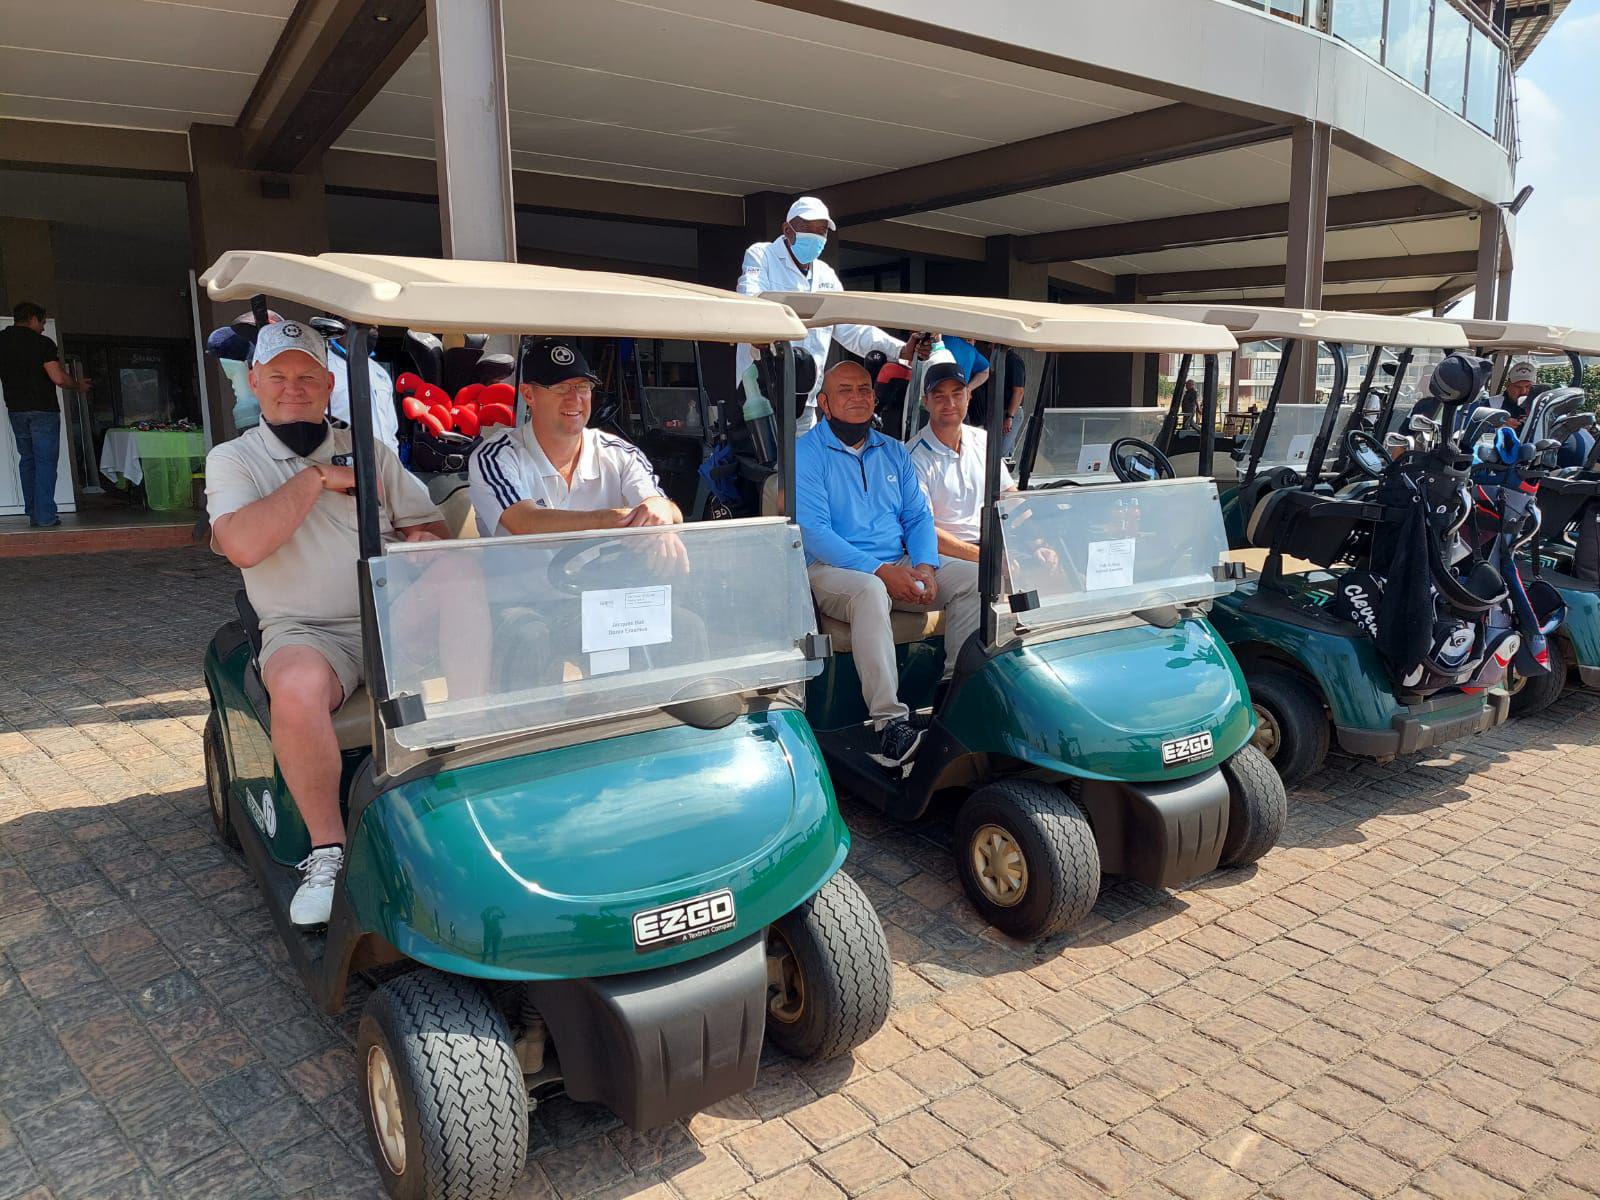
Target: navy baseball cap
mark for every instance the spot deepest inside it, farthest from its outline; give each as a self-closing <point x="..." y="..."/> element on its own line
<point x="938" y="372"/>
<point x="548" y="362"/>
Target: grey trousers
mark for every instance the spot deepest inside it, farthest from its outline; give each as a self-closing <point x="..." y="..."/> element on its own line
<point x="862" y="602"/>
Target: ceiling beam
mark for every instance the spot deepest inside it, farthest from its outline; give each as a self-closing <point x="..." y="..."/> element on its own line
<point x="1389" y="207"/>
<point x="358" y="173"/>
<point x="897" y="237"/>
<point x="331" y="59"/>
<point x="1350" y="270"/>
<point x="94" y="149"/>
<point x="1373" y="302"/>
<point x="1123" y="143"/>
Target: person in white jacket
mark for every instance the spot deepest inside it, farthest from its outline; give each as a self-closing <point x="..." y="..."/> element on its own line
<point x="792" y="263"/>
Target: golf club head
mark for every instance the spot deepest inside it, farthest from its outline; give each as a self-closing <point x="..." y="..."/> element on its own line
<point x="1564" y="427"/>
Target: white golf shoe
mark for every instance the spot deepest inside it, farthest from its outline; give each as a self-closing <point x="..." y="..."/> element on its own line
<point x="313" y="901"/>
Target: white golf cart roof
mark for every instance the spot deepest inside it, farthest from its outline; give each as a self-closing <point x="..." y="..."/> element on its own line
<point x="1252" y="323"/>
<point x="1515" y="337"/>
<point x="1020" y="324"/>
<point x="464" y="296"/>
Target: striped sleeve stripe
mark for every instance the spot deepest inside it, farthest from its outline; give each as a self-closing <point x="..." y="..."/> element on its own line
<point x="494" y="474"/>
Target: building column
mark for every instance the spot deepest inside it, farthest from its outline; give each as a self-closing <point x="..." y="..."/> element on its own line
<point x="27" y="263"/>
<point x="1311" y="152"/>
<point x="1490" y="221"/>
<point x="1502" y="293"/>
<point x="472" y="130"/>
<point x="232" y="208"/>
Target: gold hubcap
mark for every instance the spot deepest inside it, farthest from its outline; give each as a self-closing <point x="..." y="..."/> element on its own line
<point x="383" y="1097"/>
<point x="786" y="989"/>
<point x="1268" y="736"/>
<point x="999" y="865"/>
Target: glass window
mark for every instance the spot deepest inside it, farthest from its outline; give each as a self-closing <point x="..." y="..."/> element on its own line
<point x="1483" y="82"/>
<point x="1112" y="548"/>
<point x="1406" y="47"/>
<point x="1447" y="77"/>
<point x="1076" y="442"/>
<point x="517" y="634"/>
<point x="1360" y="22"/>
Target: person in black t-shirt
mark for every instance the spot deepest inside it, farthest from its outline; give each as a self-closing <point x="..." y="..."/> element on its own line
<point x="30" y="373"/>
<point x="1016" y="381"/>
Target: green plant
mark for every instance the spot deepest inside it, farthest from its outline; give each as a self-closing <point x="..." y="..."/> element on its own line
<point x="1560" y="375"/>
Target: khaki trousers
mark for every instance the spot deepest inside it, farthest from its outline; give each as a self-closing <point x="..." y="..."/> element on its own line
<point x="861" y="601"/>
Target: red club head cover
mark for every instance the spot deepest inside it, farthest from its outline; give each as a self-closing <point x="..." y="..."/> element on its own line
<point x="498" y="393"/>
<point x="442" y="412"/>
<point x="469" y="394"/>
<point x="430" y="421"/>
<point x="408" y="383"/>
<point x="495" y="414"/>
<point x="413" y="408"/>
<point x="467" y="421"/>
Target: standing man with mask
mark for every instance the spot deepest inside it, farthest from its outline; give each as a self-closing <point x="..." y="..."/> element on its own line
<point x="793" y="263"/>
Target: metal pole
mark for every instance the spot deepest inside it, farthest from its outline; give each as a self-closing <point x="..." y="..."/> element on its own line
<point x="989" y="535"/>
<point x="1208" y="415"/>
<point x="472" y="129"/>
<point x="1035" y="427"/>
<point x="361" y="442"/>
<point x="1386" y="414"/>
<point x="1258" y="441"/>
<point x="786" y="411"/>
<point x="1330" y="417"/>
<point x="1169" y="423"/>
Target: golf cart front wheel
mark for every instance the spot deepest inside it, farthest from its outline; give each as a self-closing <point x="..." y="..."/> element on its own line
<point x="1027" y="857"/>
<point x="218" y="782"/>
<point x="1532" y="694"/>
<point x="829" y="977"/>
<point x="1291" y="728"/>
<point x="442" y="1094"/>
<point x="1258" y="808"/>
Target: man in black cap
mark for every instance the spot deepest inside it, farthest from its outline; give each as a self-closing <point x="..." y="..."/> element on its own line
<point x="552" y="473"/>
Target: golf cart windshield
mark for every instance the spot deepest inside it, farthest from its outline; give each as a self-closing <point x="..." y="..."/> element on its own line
<point x="1112" y="549"/>
<point x="1076" y="442"/>
<point x="1294" y="431"/>
<point x="511" y="635"/>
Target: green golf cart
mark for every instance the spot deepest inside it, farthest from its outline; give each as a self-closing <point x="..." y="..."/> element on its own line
<point x="1095" y="723"/>
<point x="581" y="802"/>
<point x="1565" y="497"/>
<point x="1315" y="678"/>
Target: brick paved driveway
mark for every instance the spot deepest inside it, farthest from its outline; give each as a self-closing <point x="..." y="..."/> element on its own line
<point x="1403" y="998"/>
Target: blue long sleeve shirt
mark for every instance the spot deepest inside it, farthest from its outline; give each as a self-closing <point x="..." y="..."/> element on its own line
<point x="860" y="511"/>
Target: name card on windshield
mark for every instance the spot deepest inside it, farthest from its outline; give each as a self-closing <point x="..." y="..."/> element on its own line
<point x="620" y="618"/>
<point x="1110" y="565"/>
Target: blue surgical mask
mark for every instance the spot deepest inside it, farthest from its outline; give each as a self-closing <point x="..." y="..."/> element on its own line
<point x="808" y="247"/>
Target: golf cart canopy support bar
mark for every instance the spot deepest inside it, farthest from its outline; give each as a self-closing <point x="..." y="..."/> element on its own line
<point x="1251" y="323"/>
<point x="463" y="296"/>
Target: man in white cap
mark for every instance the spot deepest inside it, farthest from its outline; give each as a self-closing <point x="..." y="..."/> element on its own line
<point x="280" y="497"/>
<point x="792" y="263"/>
<point x="1514" y="399"/>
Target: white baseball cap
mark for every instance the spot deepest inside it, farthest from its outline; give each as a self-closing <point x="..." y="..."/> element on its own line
<point x="288" y="335"/>
<point x="809" y="208"/>
<point x="1522" y="372"/>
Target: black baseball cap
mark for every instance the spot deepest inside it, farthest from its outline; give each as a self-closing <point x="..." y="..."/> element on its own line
<point x="938" y="372"/>
<point x="548" y="362"/>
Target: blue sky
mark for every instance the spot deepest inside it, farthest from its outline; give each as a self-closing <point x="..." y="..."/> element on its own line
<point x="1557" y="274"/>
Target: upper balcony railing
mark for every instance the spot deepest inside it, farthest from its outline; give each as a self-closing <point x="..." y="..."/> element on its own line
<point x="1446" y="48"/>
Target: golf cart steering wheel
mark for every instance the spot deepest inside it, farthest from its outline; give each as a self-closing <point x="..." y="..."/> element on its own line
<point x="584" y="565"/>
<point x="1137" y="461"/>
<point x="1366" y="452"/>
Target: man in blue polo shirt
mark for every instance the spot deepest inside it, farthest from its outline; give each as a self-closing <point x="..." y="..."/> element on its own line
<point x="871" y="546"/>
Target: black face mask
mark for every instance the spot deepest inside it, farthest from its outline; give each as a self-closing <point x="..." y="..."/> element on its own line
<point x="851" y="433"/>
<point x="303" y="437"/>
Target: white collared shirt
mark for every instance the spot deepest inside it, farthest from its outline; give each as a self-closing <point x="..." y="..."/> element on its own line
<point x="385" y="421"/>
<point x="953" y="481"/>
<point x="512" y="467"/>
<point x="769" y="267"/>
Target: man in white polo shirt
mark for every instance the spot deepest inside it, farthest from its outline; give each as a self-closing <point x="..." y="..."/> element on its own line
<point x="792" y="263"/>
<point x="280" y="497"/>
<point x="551" y="473"/>
<point x="950" y="459"/>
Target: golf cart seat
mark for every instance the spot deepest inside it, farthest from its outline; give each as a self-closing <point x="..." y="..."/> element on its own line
<point x="456" y="508"/>
<point x="352" y="721"/>
<point x="1305" y="524"/>
<point x="771" y="496"/>
<point x="907" y="626"/>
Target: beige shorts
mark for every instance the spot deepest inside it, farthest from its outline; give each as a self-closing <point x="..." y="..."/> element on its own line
<point x="339" y="642"/>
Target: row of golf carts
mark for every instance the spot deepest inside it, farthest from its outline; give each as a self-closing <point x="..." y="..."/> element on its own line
<point x="611" y="861"/>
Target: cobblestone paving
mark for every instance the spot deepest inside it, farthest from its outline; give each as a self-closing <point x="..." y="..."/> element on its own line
<point x="1402" y="999"/>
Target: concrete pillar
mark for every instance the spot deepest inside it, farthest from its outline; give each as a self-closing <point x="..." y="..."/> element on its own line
<point x="232" y="208"/>
<point x="1502" y="293"/>
<point x="1490" y="219"/>
<point x="27" y="263"/>
<point x="472" y="130"/>
<point x="1004" y="274"/>
<point x="1311" y="151"/>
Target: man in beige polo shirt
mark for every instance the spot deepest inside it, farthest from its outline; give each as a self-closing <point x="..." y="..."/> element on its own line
<point x="282" y="507"/>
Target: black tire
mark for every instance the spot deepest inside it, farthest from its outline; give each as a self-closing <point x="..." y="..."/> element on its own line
<point x="218" y="782"/>
<point x="1292" y="730"/>
<point x="1059" y="867"/>
<point x="837" y="978"/>
<point x="1535" y="693"/>
<point x="1258" y="807"/>
<point x="462" y="1103"/>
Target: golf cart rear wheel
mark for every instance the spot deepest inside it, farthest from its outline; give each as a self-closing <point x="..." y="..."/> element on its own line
<point x="829" y="978"/>
<point x="1257" y="807"/>
<point x="1027" y="857"/>
<point x="1291" y="728"/>
<point x="1534" y="693"/>
<point x="442" y="1094"/>
<point x="218" y="783"/>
